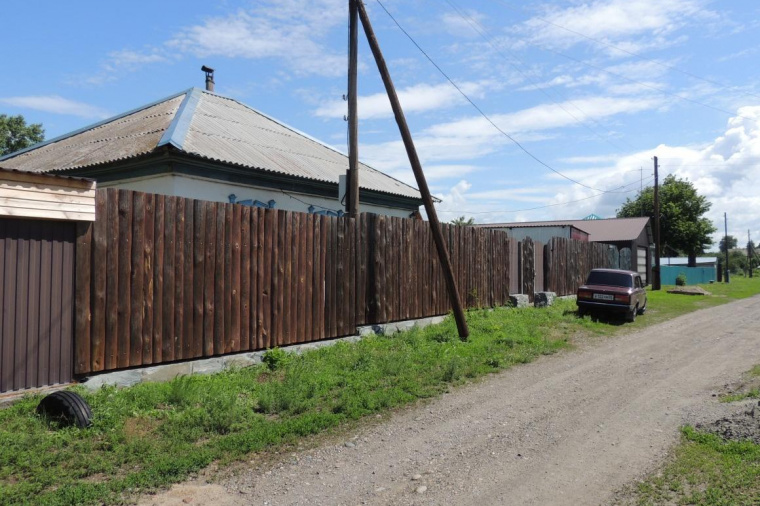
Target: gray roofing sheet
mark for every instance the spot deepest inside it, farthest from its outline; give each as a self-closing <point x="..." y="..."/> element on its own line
<point x="129" y="136"/>
<point x="226" y="130"/>
<point x="220" y="129"/>
<point x="609" y="230"/>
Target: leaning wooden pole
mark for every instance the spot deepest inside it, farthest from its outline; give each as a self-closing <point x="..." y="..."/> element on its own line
<point x="353" y="114"/>
<point x="414" y="160"/>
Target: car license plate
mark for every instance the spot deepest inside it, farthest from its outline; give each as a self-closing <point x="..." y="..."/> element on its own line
<point x="603" y="296"/>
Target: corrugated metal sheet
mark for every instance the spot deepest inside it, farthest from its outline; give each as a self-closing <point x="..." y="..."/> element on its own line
<point x="220" y="129"/>
<point x="36" y="302"/>
<point x="126" y="137"/>
<point x="225" y="130"/>
<point x="605" y="230"/>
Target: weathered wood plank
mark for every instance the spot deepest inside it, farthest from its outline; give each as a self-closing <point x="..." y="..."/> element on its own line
<point x="125" y="274"/>
<point x="209" y="278"/>
<point x="237" y="282"/>
<point x="99" y="265"/>
<point x="188" y="253"/>
<point x="199" y="257"/>
<point x="112" y="281"/>
<point x="158" y="278"/>
<point x="83" y="329"/>
<point x="170" y="228"/>
<point x="219" y="277"/>
<point x="147" y="262"/>
<point x="245" y="278"/>
<point x="137" y="279"/>
<point x="308" y="292"/>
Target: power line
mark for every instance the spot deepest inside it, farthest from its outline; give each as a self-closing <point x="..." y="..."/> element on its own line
<point x="525" y="150"/>
<point x="475" y="24"/>
<point x="548" y="205"/>
<point x="637" y="55"/>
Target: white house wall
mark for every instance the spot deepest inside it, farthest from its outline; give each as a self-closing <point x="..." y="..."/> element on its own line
<point x="206" y="189"/>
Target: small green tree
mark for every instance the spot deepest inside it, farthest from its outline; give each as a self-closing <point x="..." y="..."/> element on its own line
<point x="15" y="134"/>
<point x="683" y="226"/>
<point x="462" y="221"/>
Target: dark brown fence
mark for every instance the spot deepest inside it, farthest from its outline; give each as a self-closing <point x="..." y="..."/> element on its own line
<point x="37" y="301"/>
<point x="171" y="278"/>
<point x="568" y="262"/>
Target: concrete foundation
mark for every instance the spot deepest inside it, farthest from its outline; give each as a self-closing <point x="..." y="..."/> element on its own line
<point x="544" y="299"/>
<point x="519" y="300"/>
<point x="214" y="365"/>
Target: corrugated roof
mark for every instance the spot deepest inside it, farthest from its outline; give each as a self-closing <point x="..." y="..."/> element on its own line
<point x="602" y="230"/>
<point x="209" y="126"/>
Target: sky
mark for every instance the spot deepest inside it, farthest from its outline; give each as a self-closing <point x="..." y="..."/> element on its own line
<point x="520" y="111"/>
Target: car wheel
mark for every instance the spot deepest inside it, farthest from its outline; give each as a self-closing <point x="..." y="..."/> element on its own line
<point x="643" y="309"/>
<point x="581" y="312"/>
<point x="631" y="315"/>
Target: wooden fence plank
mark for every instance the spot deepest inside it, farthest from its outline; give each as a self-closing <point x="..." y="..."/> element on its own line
<point x="137" y="279"/>
<point x="209" y="279"/>
<point x="219" y="277"/>
<point x="170" y="228"/>
<point x="234" y="338"/>
<point x="83" y="330"/>
<point x="245" y="278"/>
<point x="158" y="277"/>
<point x="300" y="332"/>
<point x="199" y="271"/>
<point x="188" y="252"/>
<point x="124" y="273"/>
<point x="99" y="263"/>
<point x="146" y="258"/>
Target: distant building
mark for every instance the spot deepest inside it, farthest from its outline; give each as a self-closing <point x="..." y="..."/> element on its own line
<point x="630" y="236"/>
<point x="201" y="145"/>
<point x="684" y="261"/>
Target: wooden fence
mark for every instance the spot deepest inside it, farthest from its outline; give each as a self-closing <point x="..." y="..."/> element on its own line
<point x="162" y="278"/>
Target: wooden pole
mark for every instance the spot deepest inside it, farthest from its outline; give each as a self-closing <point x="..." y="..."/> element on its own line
<point x="656" y="279"/>
<point x="414" y="161"/>
<point x="353" y="116"/>
<point x="749" y="253"/>
<point x="725" y="243"/>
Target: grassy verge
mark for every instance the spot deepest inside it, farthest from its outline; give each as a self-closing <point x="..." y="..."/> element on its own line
<point x="706" y="470"/>
<point x="152" y="435"/>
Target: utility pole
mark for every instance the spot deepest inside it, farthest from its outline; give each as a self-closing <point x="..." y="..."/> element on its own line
<point x="749" y="253"/>
<point x="656" y="283"/>
<point x="414" y="161"/>
<point x="725" y="243"/>
<point x="353" y="115"/>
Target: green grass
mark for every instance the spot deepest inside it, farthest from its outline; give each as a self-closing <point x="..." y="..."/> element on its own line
<point x="152" y="435"/>
<point x="706" y="470"/>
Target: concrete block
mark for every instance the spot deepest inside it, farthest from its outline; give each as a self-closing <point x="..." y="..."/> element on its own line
<point x="167" y="372"/>
<point x="519" y="300"/>
<point x="544" y="299"/>
<point x="119" y="379"/>
<point x="208" y="366"/>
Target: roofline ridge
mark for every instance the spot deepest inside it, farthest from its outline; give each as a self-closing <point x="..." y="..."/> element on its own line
<point x="176" y="133"/>
<point x="304" y="134"/>
<point x="92" y="126"/>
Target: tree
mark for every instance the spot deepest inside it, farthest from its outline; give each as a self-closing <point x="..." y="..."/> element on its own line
<point x="15" y="134"/>
<point x="683" y="227"/>
<point x="462" y="221"/>
<point x="732" y="242"/>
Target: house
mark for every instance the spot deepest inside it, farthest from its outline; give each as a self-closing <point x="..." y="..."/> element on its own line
<point x="632" y="237"/>
<point x="684" y="261"/>
<point x="201" y="145"/>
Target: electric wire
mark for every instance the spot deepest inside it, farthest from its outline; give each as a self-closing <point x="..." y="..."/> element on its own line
<point x="482" y="113"/>
<point x="482" y="31"/>
<point x="648" y="180"/>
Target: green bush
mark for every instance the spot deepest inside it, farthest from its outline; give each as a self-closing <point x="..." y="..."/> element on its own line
<point x="681" y="279"/>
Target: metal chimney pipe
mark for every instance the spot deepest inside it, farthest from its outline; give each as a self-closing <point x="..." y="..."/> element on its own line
<point x="209" y="78"/>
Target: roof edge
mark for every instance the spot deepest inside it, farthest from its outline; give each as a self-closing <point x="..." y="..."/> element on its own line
<point x="93" y="125"/>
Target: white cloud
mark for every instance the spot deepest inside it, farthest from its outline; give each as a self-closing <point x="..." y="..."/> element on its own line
<point x="417" y="98"/>
<point x="57" y="105"/>
<point x="631" y="24"/>
<point x="288" y="30"/>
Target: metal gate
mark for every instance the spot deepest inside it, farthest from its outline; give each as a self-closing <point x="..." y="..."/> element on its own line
<point x="37" y="302"/>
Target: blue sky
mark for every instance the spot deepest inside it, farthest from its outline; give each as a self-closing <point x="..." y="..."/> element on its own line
<point x="592" y="89"/>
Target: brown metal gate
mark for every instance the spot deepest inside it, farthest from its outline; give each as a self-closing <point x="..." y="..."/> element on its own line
<point x="37" y="301"/>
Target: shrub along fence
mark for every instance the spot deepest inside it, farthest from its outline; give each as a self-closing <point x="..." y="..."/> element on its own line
<point x="162" y="278"/>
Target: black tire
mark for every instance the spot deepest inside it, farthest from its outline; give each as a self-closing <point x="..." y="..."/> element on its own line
<point x="643" y="310"/>
<point x="68" y="408"/>
<point x="631" y="315"/>
<point x="581" y="312"/>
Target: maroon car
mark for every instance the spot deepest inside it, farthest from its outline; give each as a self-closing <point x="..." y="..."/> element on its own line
<point x="613" y="291"/>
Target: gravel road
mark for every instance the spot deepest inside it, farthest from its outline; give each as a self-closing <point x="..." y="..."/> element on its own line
<point x="572" y="428"/>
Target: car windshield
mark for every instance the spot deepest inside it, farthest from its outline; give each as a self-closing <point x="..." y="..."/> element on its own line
<point x="609" y="279"/>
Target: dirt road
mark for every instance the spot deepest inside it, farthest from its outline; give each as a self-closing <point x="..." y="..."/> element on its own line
<point x="567" y="429"/>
